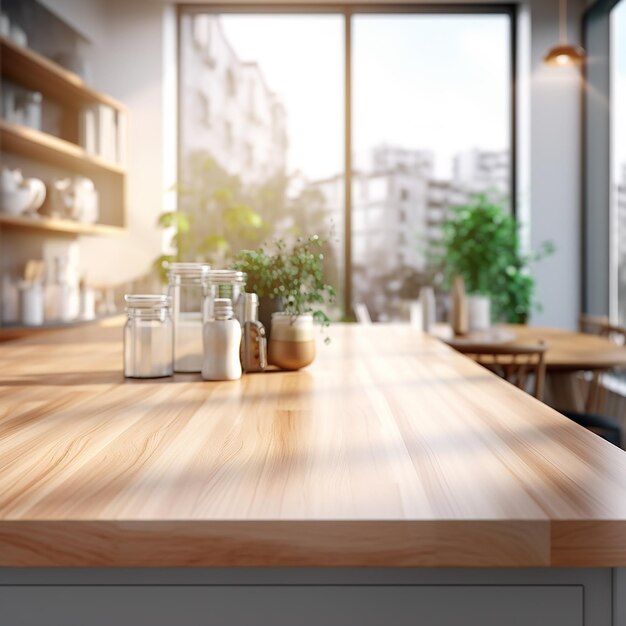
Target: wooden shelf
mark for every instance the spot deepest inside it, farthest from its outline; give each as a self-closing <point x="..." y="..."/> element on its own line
<point x="40" y="146"/>
<point x="43" y="151"/>
<point x="35" y="71"/>
<point x="53" y="224"/>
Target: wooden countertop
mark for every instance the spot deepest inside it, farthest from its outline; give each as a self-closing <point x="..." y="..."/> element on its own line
<point x="390" y="450"/>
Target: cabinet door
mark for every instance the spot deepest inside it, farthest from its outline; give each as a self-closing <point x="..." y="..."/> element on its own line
<point x="305" y="605"/>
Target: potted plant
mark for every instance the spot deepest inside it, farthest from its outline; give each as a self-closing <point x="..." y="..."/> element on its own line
<point x="481" y="243"/>
<point x="291" y="288"/>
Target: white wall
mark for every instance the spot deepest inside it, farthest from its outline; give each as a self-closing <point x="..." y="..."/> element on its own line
<point x="130" y="42"/>
<point x="85" y="16"/>
<point x="550" y="128"/>
<point x="129" y="65"/>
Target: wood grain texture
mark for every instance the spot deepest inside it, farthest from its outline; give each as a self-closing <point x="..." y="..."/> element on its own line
<point x="391" y="449"/>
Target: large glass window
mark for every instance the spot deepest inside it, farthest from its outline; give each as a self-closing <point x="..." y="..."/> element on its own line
<point x="262" y="134"/>
<point x="431" y="125"/>
<point x="260" y="121"/>
<point x="618" y="147"/>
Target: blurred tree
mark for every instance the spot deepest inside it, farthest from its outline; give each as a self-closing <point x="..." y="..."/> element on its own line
<point x="219" y="215"/>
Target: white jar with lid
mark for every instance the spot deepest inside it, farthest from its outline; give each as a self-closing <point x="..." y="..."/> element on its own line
<point x="148" y="337"/>
<point x="222" y="341"/>
<point x="187" y="290"/>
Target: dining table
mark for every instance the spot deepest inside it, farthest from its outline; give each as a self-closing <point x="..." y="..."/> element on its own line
<point x="568" y="354"/>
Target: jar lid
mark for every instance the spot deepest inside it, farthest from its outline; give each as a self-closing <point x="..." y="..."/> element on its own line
<point x="188" y="269"/>
<point x="226" y="277"/>
<point x="146" y="301"/>
<point x="222" y="308"/>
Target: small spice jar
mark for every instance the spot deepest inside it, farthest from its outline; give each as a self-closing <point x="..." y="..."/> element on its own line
<point x="187" y="289"/>
<point x="148" y="337"/>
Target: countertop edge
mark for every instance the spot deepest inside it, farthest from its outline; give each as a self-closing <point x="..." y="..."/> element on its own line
<point x="307" y="543"/>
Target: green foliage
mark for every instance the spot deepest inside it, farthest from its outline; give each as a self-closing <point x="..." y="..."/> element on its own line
<point x="294" y="274"/>
<point x="481" y="243"/>
<point x="218" y="215"/>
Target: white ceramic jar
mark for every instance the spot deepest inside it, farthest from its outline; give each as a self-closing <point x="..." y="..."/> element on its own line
<point x="222" y="341"/>
<point x="478" y="312"/>
<point x="31" y="304"/>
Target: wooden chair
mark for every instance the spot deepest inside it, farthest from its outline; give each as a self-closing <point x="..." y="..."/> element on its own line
<point x="597" y="393"/>
<point x="598" y="325"/>
<point x="595" y="416"/>
<point x="592" y="324"/>
<point x="617" y="334"/>
<point x="519" y="365"/>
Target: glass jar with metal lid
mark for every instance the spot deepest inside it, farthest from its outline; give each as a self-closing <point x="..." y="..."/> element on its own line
<point x="187" y="289"/>
<point x="148" y="336"/>
<point x="229" y="284"/>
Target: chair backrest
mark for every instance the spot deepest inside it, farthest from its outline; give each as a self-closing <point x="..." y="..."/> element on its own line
<point x="518" y="364"/>
<point x="362" y="314"/>
<point x="592" y="324"/>
<point x="617" y="334"/>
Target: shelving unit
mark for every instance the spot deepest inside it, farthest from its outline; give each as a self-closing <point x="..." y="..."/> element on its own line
<point x="52" y="157"/>
<point x="42" y="150"/>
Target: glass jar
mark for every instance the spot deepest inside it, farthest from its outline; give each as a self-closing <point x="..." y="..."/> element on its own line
<point x="148" y="337"/>
<point x="187" y="289"/>
<point x="292" y="341"/>
<point x="226" y="284"/>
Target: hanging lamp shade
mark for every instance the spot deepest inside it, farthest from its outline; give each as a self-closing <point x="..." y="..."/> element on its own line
<point x="564" y="53"/>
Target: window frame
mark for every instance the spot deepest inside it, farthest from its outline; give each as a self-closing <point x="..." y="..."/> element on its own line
<point x="348" y="11"/>
<point x="599" y="276"/>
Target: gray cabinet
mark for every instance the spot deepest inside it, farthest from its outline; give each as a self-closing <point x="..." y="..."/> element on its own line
<point x="287" y="606"/>
<point x="394" y="597"/>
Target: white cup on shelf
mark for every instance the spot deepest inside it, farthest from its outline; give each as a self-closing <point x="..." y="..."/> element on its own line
<point x="31" y="304"/>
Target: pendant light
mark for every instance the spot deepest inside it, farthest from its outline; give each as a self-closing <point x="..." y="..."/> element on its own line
<point x="564" y="53"/>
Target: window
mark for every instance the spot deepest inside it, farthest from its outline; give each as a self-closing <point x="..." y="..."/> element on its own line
<point x="618" y="152"/>
<point x="431" y="104"/>
<point x="604" y="156"/>
<point x="430" y="122"/>
<point x="231" y="83"/>
<point x="204" y="109"/>
<point x="228" y="141"/>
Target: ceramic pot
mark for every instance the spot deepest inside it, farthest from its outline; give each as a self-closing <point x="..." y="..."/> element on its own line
<point x="292" y="344"/>
<point x="478" y="312"/>
<point x="74" y="198"/>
